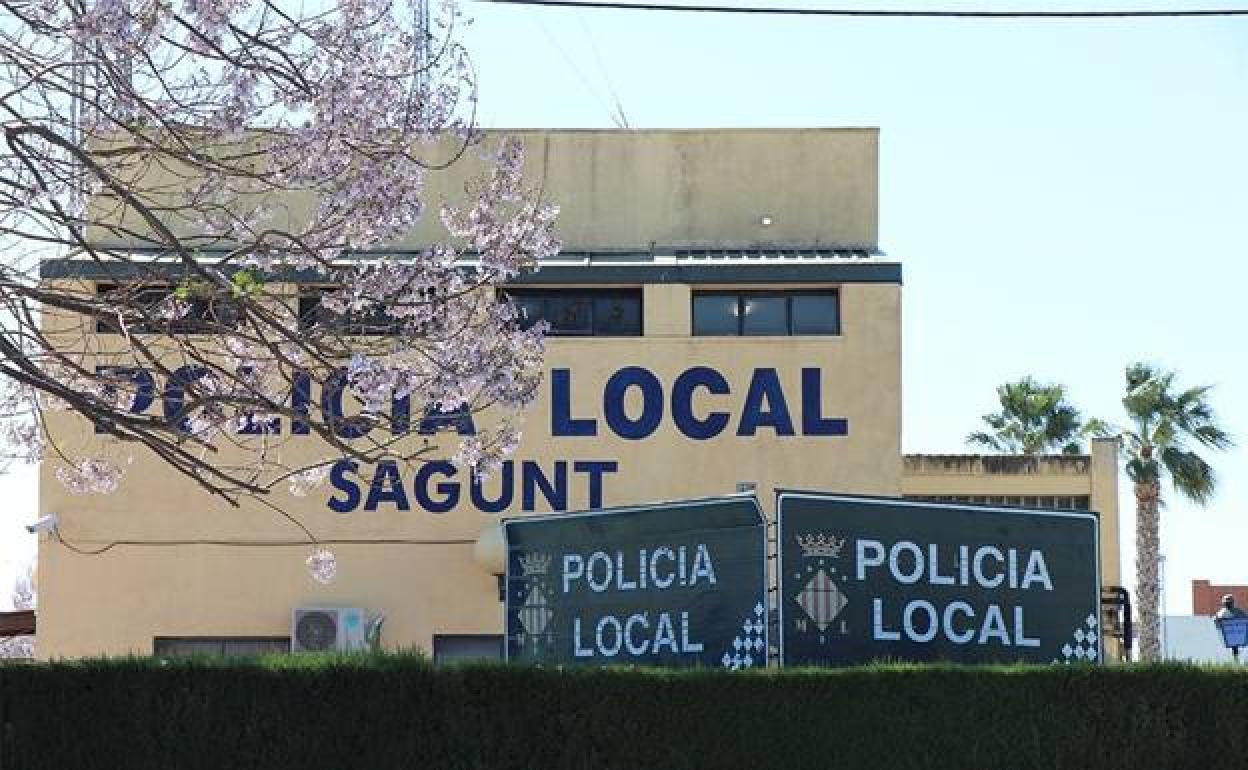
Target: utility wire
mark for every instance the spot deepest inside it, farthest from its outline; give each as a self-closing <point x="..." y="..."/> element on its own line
<point x="946" y="14"/>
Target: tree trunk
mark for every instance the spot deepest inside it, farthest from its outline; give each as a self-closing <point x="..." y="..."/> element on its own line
<point x="1147" y="565"/>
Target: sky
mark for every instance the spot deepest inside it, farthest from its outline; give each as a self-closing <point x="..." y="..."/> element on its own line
<point x="1065" y="197"/>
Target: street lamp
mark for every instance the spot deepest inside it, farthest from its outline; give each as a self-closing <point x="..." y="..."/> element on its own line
<point x="1232" y="623"/>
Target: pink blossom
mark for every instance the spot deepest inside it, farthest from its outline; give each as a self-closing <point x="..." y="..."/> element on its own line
<point x="322" y="565"/>
<point x="91" y="476"/>
<point x="305" y="481"/>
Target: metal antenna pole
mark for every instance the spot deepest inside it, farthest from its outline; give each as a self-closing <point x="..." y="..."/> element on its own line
<point x="423" y="58"/>
<point x="77" y="95"/>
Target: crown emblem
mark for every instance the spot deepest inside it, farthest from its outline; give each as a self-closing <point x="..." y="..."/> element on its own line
<point x="534" y="563"/>
<point x="819" y="544"/>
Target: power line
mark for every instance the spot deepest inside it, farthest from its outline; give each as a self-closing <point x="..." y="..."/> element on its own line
<point x="781" y="11"/>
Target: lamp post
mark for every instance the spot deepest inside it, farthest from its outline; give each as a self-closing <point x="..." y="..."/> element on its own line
<point x="1232" y="623"/>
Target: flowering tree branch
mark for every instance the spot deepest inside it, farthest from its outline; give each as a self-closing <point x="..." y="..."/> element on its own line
<point x="187" y="165"/>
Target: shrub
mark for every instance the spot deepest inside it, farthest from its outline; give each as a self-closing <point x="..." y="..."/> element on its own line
<point x="398" y="711"/>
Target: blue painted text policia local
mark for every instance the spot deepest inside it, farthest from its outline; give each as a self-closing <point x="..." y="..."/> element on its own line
<point x="765" y="407"/>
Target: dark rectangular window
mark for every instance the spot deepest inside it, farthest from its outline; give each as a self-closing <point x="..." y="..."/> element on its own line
<point x="760" y="314"/>
<point x="764" y="315"/>
<point x="815" y="313"/>
<point x="452" y="648"/>
<point x="1040" y="501"/>
<point x="151" y="310"/>
<point x="716" y="315"/>
<point x="617" y="315"/>
<point x="531" y="309"/>
<point x="581" y="312"/>
<point x="229" y="646"/>
<point x="311" y="314"/>
<point x="570" y="314"/>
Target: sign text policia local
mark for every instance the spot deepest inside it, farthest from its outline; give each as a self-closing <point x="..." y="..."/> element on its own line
<point x="699" y="403"/>
<point x="863" y="579"/>
<point x="675" y="584"/>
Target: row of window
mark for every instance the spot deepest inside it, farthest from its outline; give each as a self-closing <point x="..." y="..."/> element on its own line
<point x="1061" y="502"/>
<point x="581" y="312"/>
<point x="617" y="313"/>
<point x="154" y="309"/>
<point x="157" y="309"/>
<point x="717" y="314"/>
<point x="569" y="312"/>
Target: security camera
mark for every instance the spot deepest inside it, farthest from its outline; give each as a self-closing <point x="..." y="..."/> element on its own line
<point x="45" y="524"/>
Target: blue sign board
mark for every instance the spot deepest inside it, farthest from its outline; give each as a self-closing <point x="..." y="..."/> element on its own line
<point x="865" y="579"/>
<point x="672" y="584"/>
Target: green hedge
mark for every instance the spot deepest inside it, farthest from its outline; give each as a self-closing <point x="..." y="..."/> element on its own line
<point x="399" y="712"/>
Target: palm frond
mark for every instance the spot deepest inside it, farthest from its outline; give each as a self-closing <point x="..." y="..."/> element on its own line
<point x="1164" y="433"/>
<point x="1143" y="401"/>
<point x="1212" y="436"/>
<point x="1061" y="422"/>
<point x="1191" y="475"/>
<point x="1130" y="443"/>
<point x="1193" y="398"/>
<point x="1034" y="418"/>
<point x="1194" y="415"/>
<point x="985" y="440"/>
<point x="1139" y="373"/>
<point x="1095" y="427"/>
<point x="1164" y="420"/>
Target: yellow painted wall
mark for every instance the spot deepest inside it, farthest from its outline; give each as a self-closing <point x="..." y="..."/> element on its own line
<point x="117" y="601"/>
<point x="634" y="190"/>
<point x="1104" y="493"/>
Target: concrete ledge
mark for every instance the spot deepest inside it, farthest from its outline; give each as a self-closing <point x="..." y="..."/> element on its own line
<point x="996" y="465"/>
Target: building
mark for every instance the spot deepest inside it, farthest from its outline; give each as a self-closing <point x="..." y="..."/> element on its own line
<point x="1207" y="598"/>
<point x="1192" y="639"/>
<point x="1195" y="638"/>
<point x="723" y="317"/>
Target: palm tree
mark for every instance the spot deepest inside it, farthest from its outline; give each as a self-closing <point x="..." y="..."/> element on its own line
<point x="1035" y="419"/>
<point x="1156" y="444"/>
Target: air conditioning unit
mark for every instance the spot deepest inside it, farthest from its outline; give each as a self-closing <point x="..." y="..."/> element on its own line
<point x="327" y="629"/>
